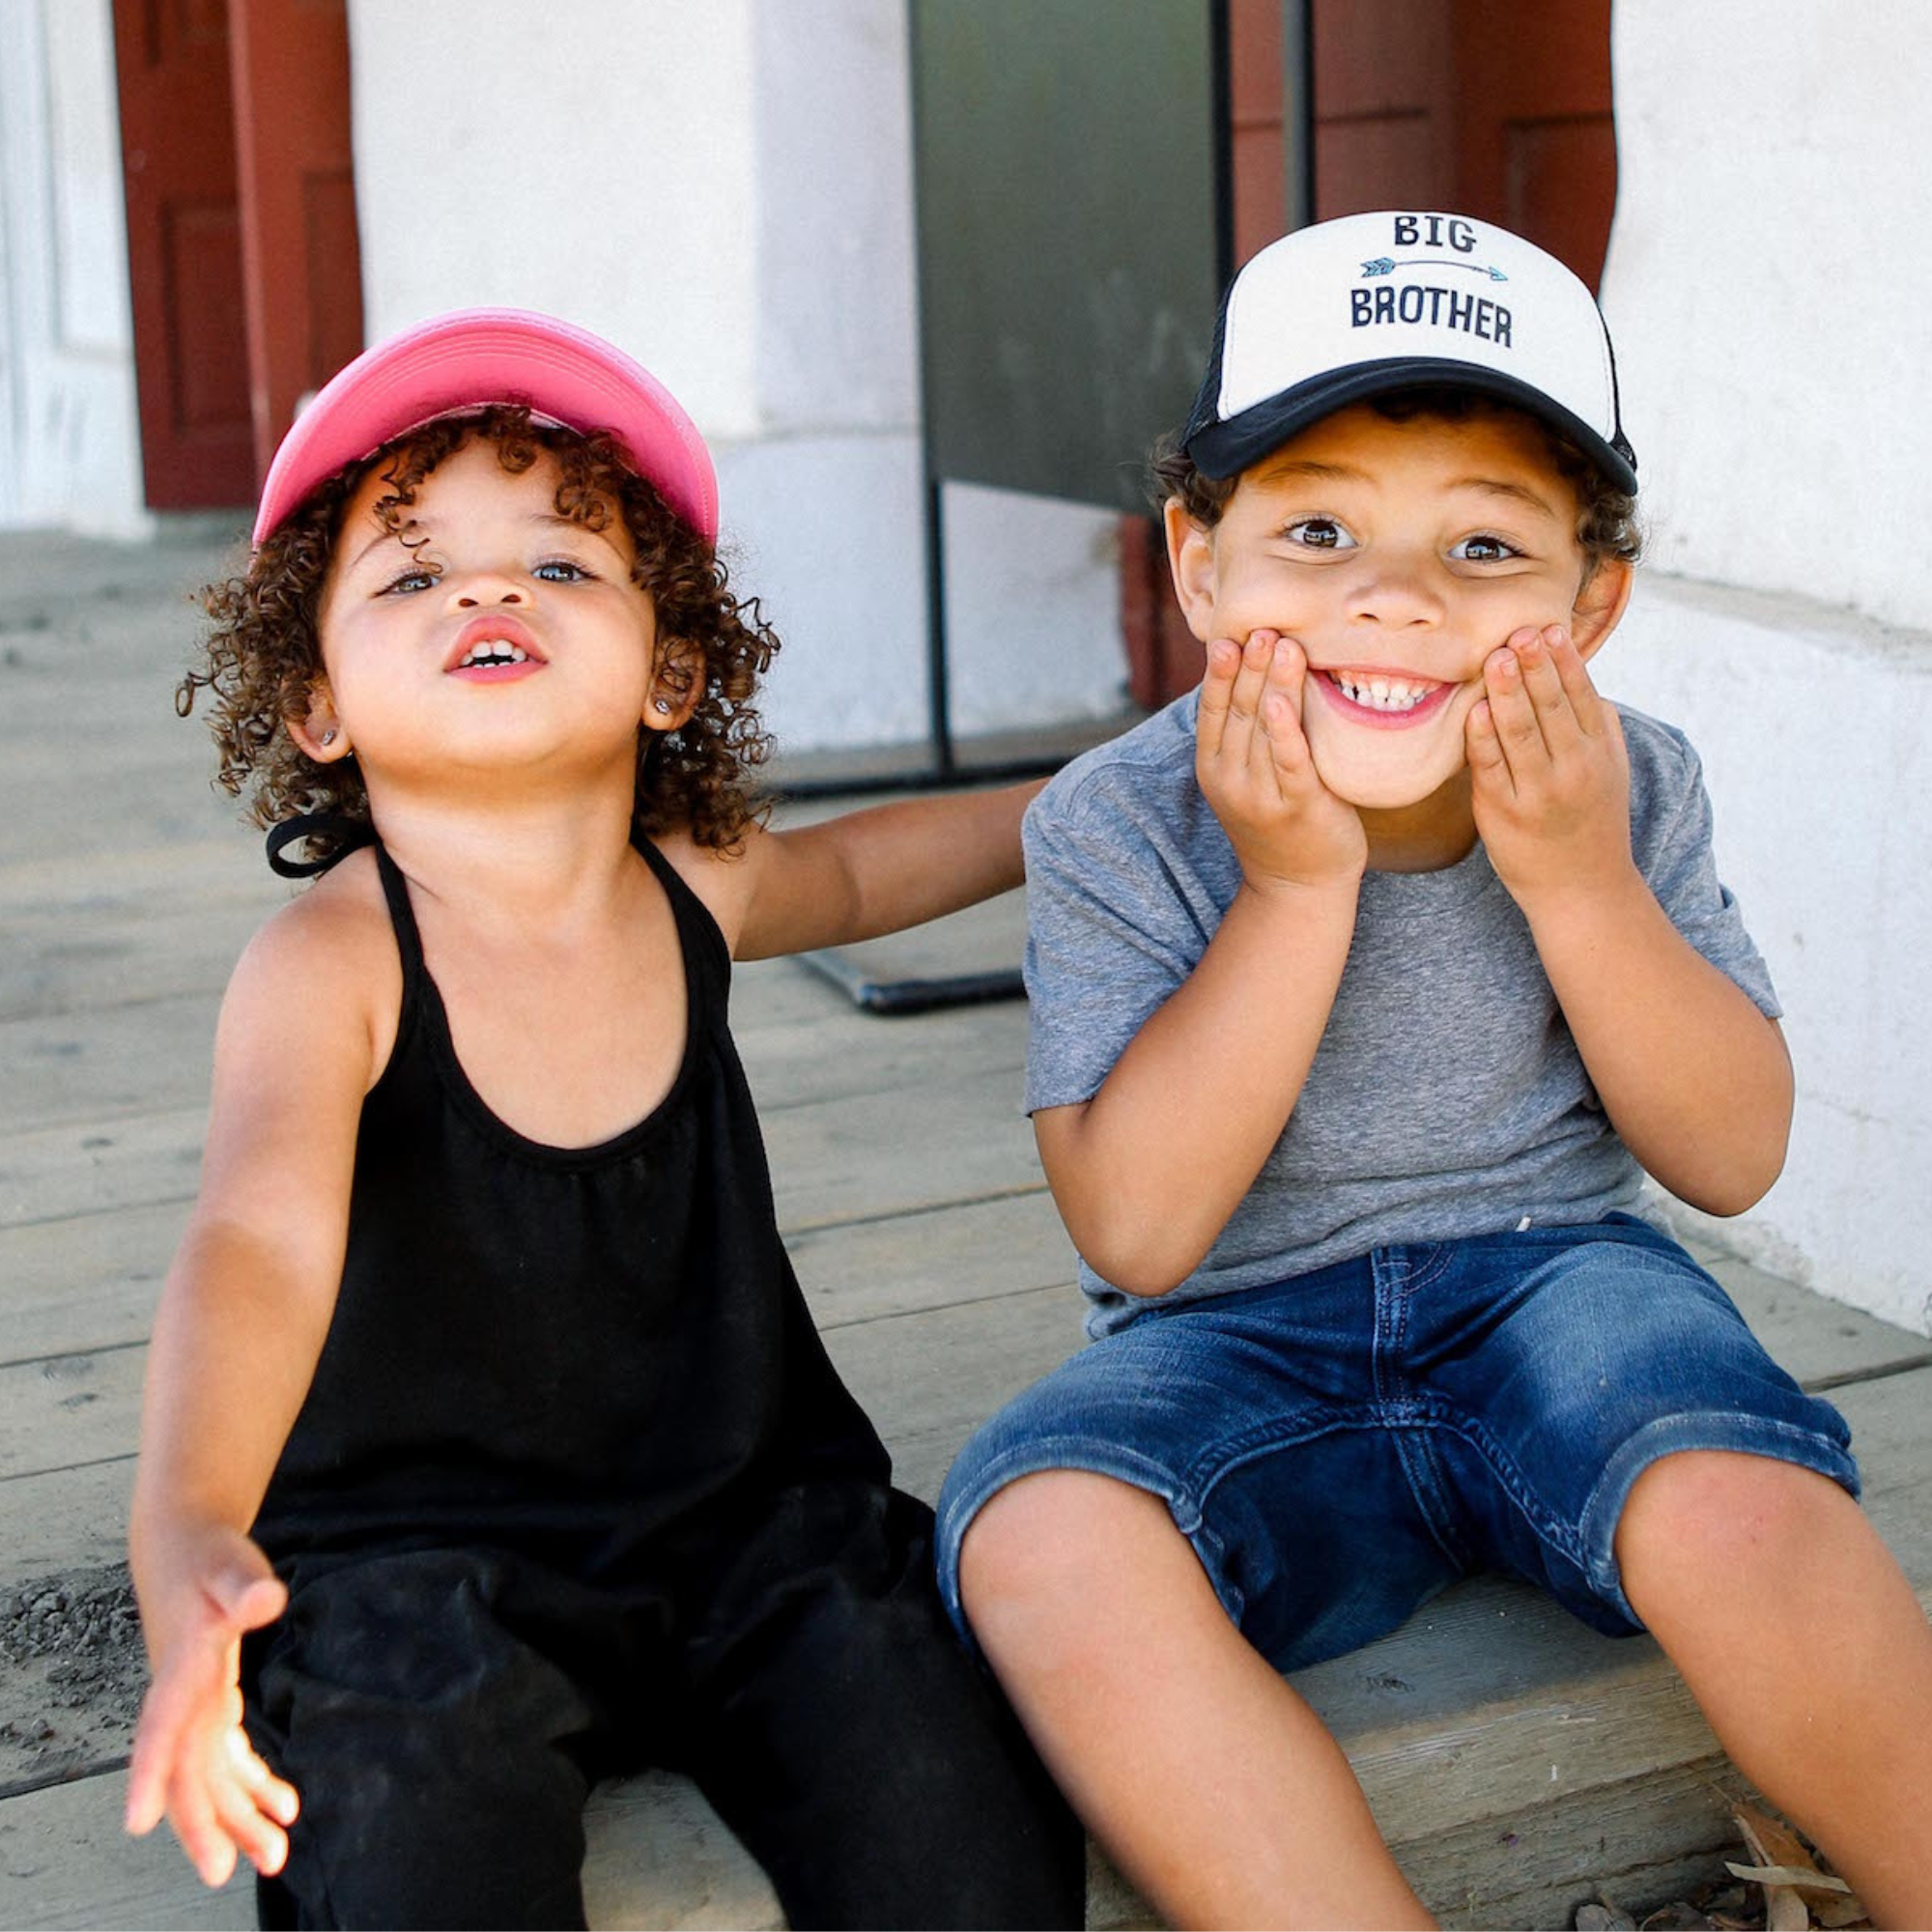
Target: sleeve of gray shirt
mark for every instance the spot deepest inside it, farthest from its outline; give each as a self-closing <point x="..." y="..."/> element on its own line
<point x="1127" y="878"/>
<point x="1670" y="839"/>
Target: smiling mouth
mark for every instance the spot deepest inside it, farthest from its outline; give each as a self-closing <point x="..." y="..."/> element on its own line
<point x="1390" y="696"/>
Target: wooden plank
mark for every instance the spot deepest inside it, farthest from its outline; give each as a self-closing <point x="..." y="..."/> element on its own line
<point x="1643" y="1842"/>
<point x="930" y="1380"/>
<point x="847" y="1158"/>
<point x="137" y="1031"/>
<point x="978" y="1250"/>
<point x="91" y="1281"/>
<point x="85" y="1283"/>
<point x="867" y="1156"/>
<point x="836" y="1052"/>
<point x="68" y="1518"/>
<point x="67" y="1410"/>
<point x="657" y="1855"/>
<point x="107" y="1062"/>
<point x="131" y="870"/>
<point x="1821" y="1342"/>
<point x="51" y="1174"/>
<point x="125" y="951"/>
<point x="66" y="1861"/>
<point x="926" y="1377"/>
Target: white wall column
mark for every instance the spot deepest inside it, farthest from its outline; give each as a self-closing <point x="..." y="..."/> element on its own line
<point x="1767" y="292"/>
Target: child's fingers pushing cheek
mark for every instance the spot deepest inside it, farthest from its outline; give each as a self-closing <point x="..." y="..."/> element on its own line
<point x="1488" y="765"/>
<point x="1224" y="661"/>
<point x="1579" y="687"/>
<point x="1281" y="707"/>
<point x="1513" y="712"/>
<point x="1251" y="682"/>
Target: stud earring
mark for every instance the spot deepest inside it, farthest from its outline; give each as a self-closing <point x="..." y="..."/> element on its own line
<point x="328" y="738"/>
<point x="662" y="706"/>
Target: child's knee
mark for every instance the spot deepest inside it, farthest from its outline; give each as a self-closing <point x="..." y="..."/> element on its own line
<point x="1041" y="1551"/>
<point x="1706" y="1519"/>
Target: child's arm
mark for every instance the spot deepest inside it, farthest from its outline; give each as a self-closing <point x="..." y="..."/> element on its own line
<point x="236" y="1335"/>
<point x="1146" y="1173"/>
<point x="1694" y="1078"/>
<point x="861" y="874"/>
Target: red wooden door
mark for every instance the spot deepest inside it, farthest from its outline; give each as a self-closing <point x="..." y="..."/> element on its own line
<point x="298" y="190"/>
<point x="1488" y="108"/>
<point x="1536" y="144"/>
<point x="184" y="252"/>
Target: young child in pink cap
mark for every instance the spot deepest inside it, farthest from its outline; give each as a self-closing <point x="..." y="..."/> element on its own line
<point x="1367" y="983"/>
<point x="489" y="1446"/>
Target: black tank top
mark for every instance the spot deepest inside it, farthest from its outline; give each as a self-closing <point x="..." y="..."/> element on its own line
<point x="580" y="1354"/>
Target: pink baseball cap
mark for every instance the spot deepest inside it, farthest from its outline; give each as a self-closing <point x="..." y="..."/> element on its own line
<point x="469" y="358"/>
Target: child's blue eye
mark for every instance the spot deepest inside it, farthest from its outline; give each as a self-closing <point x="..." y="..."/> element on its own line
<point x="1483" y="549"/>
<point x="409" y="582"/>
<point x="1318" y="533"/>
<point x="560" y="570"/>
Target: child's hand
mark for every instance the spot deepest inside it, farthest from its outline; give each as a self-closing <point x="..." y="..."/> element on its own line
<point x="192" y="1761"/>
<point x="1254" y="768"/>
<point x="1550" y="777"/>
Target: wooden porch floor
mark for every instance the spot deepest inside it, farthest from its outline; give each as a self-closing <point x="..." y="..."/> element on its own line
<point x="1517" y="1763"/>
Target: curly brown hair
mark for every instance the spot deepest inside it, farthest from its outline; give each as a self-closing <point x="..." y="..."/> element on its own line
<point x="1606" y="520"/>
<point x="262" y="657"/>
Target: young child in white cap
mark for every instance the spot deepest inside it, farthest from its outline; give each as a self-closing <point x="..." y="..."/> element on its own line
<point x="1367" y="984"/>
<point x="489" y="1445"/>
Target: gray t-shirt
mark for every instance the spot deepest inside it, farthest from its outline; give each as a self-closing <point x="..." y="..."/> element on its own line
<point x="1447" y="1098"/>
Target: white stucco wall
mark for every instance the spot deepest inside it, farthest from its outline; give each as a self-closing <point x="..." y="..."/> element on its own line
<point x="726" y="189"/>
<point x="1766" y="292"/>
<point x="69" y="439"/>
<point x="1768" y="287"/>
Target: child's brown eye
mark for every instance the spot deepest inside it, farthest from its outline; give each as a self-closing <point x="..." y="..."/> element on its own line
<point x="1318" y="533"/>
<point x="1484" y="549"/>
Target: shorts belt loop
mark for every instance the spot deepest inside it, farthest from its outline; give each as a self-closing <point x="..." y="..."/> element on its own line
<point x="1391" y="1272"/>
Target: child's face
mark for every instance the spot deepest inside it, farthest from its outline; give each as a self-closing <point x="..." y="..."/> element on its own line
<point x="1399" y="556"/>
<point x="500" y="632"/>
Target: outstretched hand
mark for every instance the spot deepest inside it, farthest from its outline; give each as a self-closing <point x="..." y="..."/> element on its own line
<point x="192" y="1761"/>
<point x="1253" y="765"/>
<point x="1549" y="774"/>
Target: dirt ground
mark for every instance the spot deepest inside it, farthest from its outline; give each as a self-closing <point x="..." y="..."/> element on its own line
<point x="71" y="1672"/>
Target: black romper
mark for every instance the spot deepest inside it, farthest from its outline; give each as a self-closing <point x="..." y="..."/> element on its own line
<point x="576" y="1490"/>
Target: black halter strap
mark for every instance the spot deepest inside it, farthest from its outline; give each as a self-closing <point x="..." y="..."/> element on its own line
<point x="345" y="834"/>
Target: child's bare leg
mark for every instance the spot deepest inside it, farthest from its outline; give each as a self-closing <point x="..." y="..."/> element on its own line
<point x="1211" y="1783"/>
<point x="1805" y="1648"/>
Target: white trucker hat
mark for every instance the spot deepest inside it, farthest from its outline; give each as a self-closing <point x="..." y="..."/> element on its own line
<point x="1355" y="307"/>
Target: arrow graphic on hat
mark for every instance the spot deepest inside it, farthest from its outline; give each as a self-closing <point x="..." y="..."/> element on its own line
<point x="1383" y="264"/>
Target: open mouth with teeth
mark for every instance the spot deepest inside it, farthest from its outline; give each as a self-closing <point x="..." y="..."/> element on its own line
<point x="494" y="659"/>
<point x="1380" y="697"/>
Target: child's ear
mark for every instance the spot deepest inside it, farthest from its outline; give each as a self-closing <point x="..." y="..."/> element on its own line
<point x="677" y="683"/>
<point x="1601" y="603"/>
<point x="321" y="733"/>
<point x="1190" y="560"/>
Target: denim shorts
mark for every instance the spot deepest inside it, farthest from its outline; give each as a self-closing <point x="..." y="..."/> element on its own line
<point x="1340" y="1446"/>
